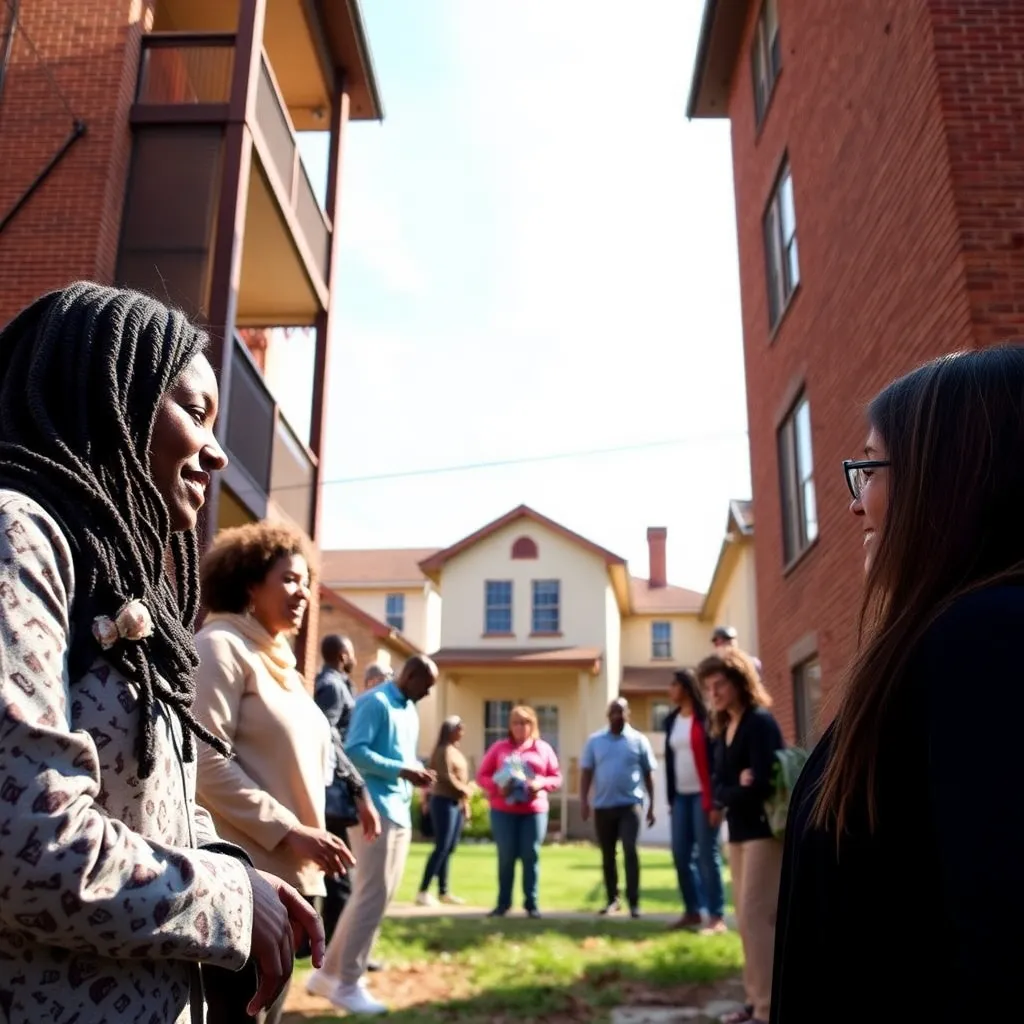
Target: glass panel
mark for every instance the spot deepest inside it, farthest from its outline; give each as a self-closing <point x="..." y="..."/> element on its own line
<point x="810" y="512"/>
<point x="802" y="422"/>
<point x="787" y="206"/>
<point x="771" y="259"/>
<point x="792" y="267"/>
<point x="496" y="714"/>
<point x="545" y="606"/>
<point x="498" y="606"/>
<point x="807" y="695"/>
<point x="395" y="611"/>
<point x="661" y="640"/>
<point x="788" y="490"/>
<point x="659" y="712"/>
<point x="547" y="719"/>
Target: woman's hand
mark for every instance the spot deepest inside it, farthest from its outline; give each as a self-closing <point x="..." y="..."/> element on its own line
<point x="281" y="918"/>
<point x="535" y="785"/>
<point x="747" y="777"/>
<point x="467" y="810"/>
<point x="320" y="847"/>
<point x="369" y="819"/>
<point x="715" y="818"/>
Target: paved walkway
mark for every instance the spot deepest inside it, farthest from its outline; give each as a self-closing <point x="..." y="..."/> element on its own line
<point x="413" y="910"/>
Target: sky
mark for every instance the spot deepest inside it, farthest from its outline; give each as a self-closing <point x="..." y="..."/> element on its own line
<point x="537" y="258"/>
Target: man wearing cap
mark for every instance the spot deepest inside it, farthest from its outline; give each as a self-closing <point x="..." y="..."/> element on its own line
<point x="725" y="638"/>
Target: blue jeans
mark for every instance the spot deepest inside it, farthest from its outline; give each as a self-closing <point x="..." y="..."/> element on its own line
<point x="697" y="857"/>
<point x="446" y="816"/>
<point x="518" y="837"/>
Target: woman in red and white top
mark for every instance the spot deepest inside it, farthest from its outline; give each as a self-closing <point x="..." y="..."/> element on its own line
<point x="695" y="820"/>
<point x="519" y="808"/>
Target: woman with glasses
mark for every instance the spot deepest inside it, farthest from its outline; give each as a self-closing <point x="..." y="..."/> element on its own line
<point x="901" y="896"/>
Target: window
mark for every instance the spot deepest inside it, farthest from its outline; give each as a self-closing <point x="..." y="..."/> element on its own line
<point x="546" y="618"/>
<point x="807" y="702"/>
<point x="498" y="606"/>
<point x="796" y="470"/>
<point x="547" y="719"/>
<point x="659" y="712"/>
<point x="780" y="251"/>
<point x="765" y="58"/>
<point x="525" y="547"/>
<point x="394" y="611"/>
<point x="661" y="640"/>
<point x="496" y="714"/>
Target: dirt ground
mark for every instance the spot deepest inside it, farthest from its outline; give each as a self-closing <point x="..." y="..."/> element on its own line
<point x="432" y="982"/>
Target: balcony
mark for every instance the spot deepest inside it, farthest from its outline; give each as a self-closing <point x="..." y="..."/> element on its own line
<point x="185" y="88"/>
<point x="272" y="470"/>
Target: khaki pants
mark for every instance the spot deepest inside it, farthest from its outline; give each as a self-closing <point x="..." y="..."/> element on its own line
<point x="379" y="868"/>
<point x="756" y="867"/>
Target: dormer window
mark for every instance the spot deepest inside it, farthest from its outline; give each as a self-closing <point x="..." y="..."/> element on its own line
<point x="524" y="547"/>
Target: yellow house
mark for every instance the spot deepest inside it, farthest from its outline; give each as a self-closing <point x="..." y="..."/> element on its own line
<point x="732" y="597"/>
<point x="524" y="610"/>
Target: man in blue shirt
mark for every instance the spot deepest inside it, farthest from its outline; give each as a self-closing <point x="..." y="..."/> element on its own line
<point x="619" y="762"/>
<point x="381" y="742"/>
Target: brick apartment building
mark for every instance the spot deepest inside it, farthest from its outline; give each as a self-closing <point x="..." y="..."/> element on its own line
<point x="153" y="143"/>
<point x="879" y="175"/>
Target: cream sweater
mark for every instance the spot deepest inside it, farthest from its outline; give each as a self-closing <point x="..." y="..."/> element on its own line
<point x="250" y="694"/>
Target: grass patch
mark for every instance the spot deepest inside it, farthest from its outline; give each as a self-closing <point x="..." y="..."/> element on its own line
<point x="476" y="971"/>
<point x="570" y="877"/>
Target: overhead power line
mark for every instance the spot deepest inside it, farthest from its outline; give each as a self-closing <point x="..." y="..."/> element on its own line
<point x="522" y="460"/>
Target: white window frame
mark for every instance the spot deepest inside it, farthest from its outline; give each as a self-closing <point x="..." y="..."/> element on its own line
<point x="551" y="610"/>
<point x="765" y="58"/>
<point x="782" y="258"/>
<point x="661" y="646"/>
<point x="395" y="619"/>
<point x="796" y="481"/>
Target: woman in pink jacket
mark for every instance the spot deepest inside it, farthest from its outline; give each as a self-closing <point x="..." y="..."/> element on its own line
<point x="517" y="773"/>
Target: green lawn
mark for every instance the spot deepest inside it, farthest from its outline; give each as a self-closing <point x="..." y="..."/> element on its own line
<point x="480" y="971"/>
<point x="570" y="877"/>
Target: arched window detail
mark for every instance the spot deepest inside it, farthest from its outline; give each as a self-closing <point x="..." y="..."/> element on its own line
<point x="525" y="547"/>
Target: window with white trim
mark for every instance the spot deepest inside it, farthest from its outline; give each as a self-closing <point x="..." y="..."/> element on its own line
<point x="547" y="615"/>
<point x="782" y="261"/>
<point x="661" y="641"/>
<point x="796" y="482"/>
<point x="394" y="611"/>
<point x="498" y="606"/>
<point x="765" y="58"/>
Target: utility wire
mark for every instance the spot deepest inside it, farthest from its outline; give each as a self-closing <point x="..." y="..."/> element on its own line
<point x="524" y="460"/>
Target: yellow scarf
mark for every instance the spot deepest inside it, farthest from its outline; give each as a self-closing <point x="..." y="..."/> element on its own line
<point x="276" y="652"/>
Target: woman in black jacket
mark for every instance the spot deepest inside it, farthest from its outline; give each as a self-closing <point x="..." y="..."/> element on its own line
<point x="747" y="739"/>
<point x="901" y="897"/>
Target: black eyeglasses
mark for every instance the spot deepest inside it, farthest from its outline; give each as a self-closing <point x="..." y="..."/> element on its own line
<point x="858" y="473"/>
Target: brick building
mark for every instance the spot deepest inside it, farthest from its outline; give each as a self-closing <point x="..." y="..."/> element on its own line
<point x="154" y="143"/>
<point x="879" y="177"/>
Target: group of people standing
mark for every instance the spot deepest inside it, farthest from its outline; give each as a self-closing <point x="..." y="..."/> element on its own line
<point x="123" y="895"/>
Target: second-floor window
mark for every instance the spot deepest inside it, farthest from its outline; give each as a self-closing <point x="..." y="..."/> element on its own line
<point x="546" y="606"/>
<point x="782" y="263"/>
<point x="661" y="640"/>
<point x="765" y="57"/>
<point x="394" y="611"/>
<point x="796" y="481"/>
<point x="498" y="606"/>
<point x="660" y="710"/>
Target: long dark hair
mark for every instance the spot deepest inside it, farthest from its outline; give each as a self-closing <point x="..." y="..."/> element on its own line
<point x="687" y="679"/>
<point x="82" y="375"/>
<point x="954" y="432"/>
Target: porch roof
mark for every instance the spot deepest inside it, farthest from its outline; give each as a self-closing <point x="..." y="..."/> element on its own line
<point x="519" y="657"/>
<point x="642" y="679"/>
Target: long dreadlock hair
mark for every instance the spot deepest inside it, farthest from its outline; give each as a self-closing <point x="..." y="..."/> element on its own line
<point x="82" y="375"/>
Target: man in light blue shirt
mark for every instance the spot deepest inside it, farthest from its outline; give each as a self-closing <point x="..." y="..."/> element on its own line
<point x="619" y="762"/>
<point x="381" y="743"/>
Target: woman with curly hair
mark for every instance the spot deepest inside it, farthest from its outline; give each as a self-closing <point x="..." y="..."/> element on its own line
<point x="268" y="797"/>
<point x="115" y="886"/>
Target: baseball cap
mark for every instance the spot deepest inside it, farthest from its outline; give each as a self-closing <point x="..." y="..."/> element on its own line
<point x="724" y="633"/>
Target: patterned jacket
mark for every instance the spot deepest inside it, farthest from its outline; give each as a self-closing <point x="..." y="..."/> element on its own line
<point x="107" y="901"/>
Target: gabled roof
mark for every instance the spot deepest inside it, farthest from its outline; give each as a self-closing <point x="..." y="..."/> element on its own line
<point x="721" y="32"/>
<point x="739" y="529"/>
<point x="381" y="630"/>
<point x="374" y="566"/>
<point x="648" y="600"/>
<point x="433" y="565"/>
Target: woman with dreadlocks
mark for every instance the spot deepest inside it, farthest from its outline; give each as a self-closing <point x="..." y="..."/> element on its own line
<point x="115" y="886"/>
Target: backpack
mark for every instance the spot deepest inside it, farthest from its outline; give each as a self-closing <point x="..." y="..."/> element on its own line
<point x="789" y="762"/>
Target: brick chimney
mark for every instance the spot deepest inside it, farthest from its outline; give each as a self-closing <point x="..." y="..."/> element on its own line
<point x="656" y="538"/>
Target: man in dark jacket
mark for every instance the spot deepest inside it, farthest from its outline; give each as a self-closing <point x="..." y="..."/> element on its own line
<point x="346" y="800"/>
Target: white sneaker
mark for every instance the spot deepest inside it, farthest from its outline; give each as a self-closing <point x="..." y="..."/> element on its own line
<point x="425" y="899"/>
<point x="356" y="999"/>
<point x="322" y="985"/>
<point x="455" y="901"/>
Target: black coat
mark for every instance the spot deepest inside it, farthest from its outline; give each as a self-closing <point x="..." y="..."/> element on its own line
<point x="922" y="920"/>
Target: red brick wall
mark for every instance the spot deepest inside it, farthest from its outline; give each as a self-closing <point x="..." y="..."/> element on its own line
<point x="69" y="228"/>
<point x="978" y="50"/>
<point x="857" y="106"/>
